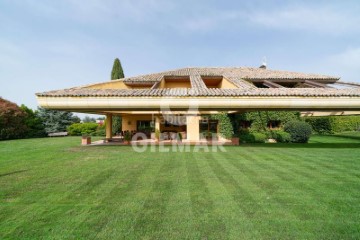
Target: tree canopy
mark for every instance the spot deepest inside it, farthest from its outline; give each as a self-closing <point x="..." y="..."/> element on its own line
<point x="12" y="120"/>
<point x="117" y="70"/>
<point x="56" y="121"/>
<point x="117" y="73"/>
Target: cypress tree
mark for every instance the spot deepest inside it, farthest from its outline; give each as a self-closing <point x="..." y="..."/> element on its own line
<point x="117" y="73"/>
<point x="117" y="70"/>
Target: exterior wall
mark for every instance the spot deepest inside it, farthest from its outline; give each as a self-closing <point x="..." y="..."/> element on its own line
<point x="185" y="83"/>
<point x="226" y="84"/>
<point x="129" y="121"/>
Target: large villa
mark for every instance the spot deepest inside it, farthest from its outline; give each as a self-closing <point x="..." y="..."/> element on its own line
<point x="178" y="100"/>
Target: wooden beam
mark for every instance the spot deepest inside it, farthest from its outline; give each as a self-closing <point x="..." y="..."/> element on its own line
<point x="348" y="83"/>
<point x="315" y="84"/>
<point x="271" y="84"/>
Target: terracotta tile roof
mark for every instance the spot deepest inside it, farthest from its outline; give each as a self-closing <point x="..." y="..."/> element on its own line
<point x="239" y="76"/>
<point x="198" y="92"/>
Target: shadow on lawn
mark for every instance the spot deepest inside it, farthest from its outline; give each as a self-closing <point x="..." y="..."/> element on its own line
<point x="347" y="137"/>
<point x="11" y="173"/>
<point x="304" y="145"/>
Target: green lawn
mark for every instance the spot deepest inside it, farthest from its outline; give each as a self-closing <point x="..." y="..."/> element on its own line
<point x="56" y="189"/>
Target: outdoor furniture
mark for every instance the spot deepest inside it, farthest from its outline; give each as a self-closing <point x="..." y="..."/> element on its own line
<point x="165" y="136"/>
<point x="58" y="134"/>
<point x="173" y="135"/>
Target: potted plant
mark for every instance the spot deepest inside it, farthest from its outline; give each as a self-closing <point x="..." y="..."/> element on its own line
<point x="208" y="135"/>
<point x="85" y="139"/>
<point x="235" y="140"/>
<point x="179" y="137"/>
<point x="127" y="137"/>
<point x="157" y="135"/>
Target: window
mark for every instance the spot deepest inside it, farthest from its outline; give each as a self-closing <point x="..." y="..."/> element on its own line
<point x="175" y="82"/>
<point x="144" y="125"/>
<point x="245" y="124"/>
<point x="208" y="127"/>
<point x="217" y="82"/>
<point x="273" y="124"/>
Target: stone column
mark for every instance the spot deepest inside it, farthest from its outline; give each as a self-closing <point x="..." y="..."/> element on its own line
<point x="157" y="123"/>
<point x="108" y="125"/>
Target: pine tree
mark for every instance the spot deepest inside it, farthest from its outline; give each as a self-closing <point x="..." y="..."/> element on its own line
<point x="117" y="73"/>
<point x="117" y="70"/>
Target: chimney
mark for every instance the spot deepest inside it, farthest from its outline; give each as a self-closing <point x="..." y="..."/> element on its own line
<point x="263" y="65"/>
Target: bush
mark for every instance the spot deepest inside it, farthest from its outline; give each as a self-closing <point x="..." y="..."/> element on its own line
<point x="251" y="137"/>
<point x="281" y="136"/>
<point x="299" y="131"/>
<point x="78" y="129"/>
<point x="100" y="131"/>
<point x="259" y="137"/>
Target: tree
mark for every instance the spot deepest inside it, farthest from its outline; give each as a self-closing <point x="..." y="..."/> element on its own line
<point x="54" y="120"/>
<point x="117" y="70"/>
<point x="35" y="127"/>
<point x="88" y="119"/>
<point x="12" y="120"/>
<point x="117" y="73"/>
<point x="76" y="119"/>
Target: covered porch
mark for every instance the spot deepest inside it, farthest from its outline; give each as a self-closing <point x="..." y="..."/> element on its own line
<point x="189" y="128"/>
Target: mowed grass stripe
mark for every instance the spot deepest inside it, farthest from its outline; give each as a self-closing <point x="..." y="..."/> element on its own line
<point x="238" y="226"/>
<point x="152" y="214"/>
<point x="208" y="223"/>
<point x="115" y="214"/>
<point x="179" y="205"/>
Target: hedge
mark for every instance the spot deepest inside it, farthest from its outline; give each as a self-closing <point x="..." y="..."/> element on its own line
<point x="251" y="137"/>
<point x="334" y="124"/>
<point x="78" y="129"/>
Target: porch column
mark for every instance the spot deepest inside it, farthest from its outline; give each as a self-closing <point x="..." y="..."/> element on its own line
<point x="108" y="125"/>
<point x="192" y="128"/>
<point x="157" y="123"/>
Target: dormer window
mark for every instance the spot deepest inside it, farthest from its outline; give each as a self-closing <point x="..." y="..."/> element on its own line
<point x="175" y="82"/>
<point x="217" y="82"/>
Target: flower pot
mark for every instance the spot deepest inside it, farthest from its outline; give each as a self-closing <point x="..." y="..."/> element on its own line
<point x="85" y="140"/>
<point x="235" y="141"/>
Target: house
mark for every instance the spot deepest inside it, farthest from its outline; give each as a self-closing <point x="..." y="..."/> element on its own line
<point x="178" y="100"/>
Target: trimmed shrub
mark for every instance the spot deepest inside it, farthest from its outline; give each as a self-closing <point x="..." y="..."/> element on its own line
<point x="282" y="137"/>
<point x="320" y="125"/>
<point x="78" y="129"/>
<point x="251" y="137"/>
<point x="259" y="137"/>
<point x="334" y="124"/>
<point x="299" y="131"/>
